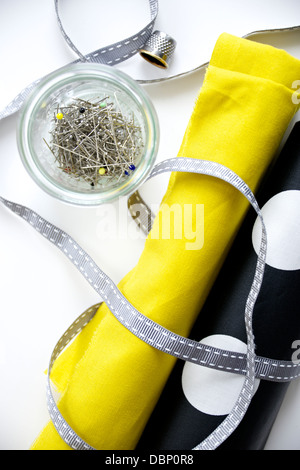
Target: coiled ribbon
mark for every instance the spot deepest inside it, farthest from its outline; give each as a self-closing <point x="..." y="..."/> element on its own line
<point x="113" y="54"/>
<point x="110" y="55"/>
<point x="156" y="335"/>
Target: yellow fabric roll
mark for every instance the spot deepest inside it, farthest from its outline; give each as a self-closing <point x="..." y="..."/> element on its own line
<point x="110" y="380"/>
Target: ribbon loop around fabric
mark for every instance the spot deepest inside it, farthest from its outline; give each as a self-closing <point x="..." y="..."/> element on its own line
<point x="144" y="328"/>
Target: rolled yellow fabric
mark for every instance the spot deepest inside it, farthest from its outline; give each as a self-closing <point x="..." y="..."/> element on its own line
<point x="110" y="380"/>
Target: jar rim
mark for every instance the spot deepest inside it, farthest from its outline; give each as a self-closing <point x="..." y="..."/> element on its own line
<point x="67" y="75"/>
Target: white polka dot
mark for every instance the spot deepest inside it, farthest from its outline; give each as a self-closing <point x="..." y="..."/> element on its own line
<point x="214" y="391"/>
<point x="282" y="219"/>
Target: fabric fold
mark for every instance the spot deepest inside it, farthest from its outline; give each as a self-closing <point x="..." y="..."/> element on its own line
<point x="110" y="381"/>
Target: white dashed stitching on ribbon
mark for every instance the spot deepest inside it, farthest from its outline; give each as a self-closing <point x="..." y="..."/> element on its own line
<point x="154" y="334"/>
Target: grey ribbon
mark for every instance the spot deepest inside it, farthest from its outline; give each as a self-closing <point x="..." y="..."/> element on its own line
<point x="151" y="332"/>
<point x="114" y="54"/>
<point x="119" y="51"/>
<point x="110" y="55"/>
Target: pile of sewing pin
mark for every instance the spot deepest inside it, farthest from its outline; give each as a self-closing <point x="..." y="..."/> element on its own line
<point x="95" y="142"/>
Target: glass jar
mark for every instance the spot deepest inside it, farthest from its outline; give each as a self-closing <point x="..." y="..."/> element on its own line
<point x="88" y="134"/>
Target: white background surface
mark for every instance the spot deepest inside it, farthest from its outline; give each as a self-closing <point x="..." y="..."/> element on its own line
<point x="40" y="291"/>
